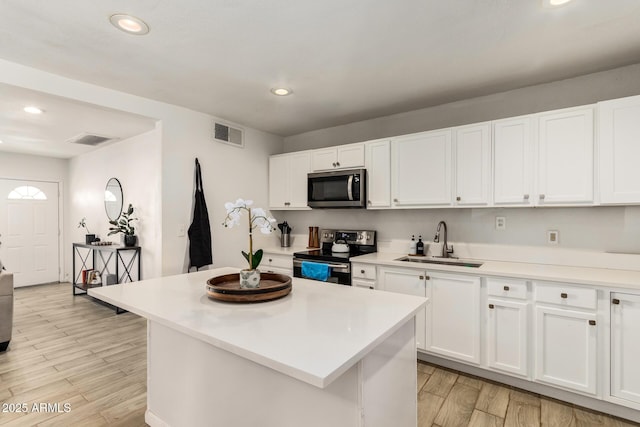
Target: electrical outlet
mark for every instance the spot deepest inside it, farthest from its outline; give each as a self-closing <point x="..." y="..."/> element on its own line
<point x="501" y="223"/>
<point x="553" y="236"/>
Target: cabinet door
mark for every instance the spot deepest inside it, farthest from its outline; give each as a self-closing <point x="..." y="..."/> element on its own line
<point x="421" y="169"/>
<point x="566" y="348"/>
<point x="565" y="157"/>
<point x="278" y="181"/>
<point x="350" y="156"/>
<point x="453" y="316"/>
<point x="507" y="336"/>
<point x="378" y="164"/>
<point x="473" y="164"/>
<point x="512" y="166"/>
<point x="410" y="282"/>
<point x="619" y="128"/>
<point x="625" y="347"/>
<point x="299" y="167"/>
<point x="324" y="159"/>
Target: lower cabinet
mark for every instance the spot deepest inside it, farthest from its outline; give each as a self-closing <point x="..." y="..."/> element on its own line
<point x="453" y="316"/>
<point x="566" y="348"/>
<point x="507" y="325"/>
<point x="625" y="347"/>
<point x="410" y="282"/>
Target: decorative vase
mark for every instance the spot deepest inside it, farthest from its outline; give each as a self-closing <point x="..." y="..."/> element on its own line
<point x="130" y="240"/>
<point x="89" y="238"/>
<point x="249" y="279"/>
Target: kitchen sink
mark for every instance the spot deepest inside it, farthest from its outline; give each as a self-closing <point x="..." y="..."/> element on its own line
<point x="442" y="261"/>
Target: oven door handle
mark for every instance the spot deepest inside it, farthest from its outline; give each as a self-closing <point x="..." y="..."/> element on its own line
<point x="350" y="187"/>
<point x="298" y="262"/>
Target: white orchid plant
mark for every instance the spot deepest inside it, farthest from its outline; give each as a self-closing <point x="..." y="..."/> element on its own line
<point x="257" y="219"/>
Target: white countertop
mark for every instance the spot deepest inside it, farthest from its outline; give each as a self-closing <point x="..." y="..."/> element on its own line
<point x="314" y="334"/>
<point x="579" y="275"/>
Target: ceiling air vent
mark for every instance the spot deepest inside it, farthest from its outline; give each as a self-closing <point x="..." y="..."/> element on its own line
<point x="89" y="139"/>
<point x="228" y="135"/>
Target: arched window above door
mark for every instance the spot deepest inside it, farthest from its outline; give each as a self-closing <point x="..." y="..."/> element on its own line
<point x="26" y="192"/>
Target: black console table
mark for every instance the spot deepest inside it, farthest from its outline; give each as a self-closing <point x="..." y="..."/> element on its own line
<point x="121" y="263"/>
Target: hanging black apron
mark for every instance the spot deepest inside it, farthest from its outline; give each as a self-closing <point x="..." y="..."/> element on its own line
<point x="200" y="230"/>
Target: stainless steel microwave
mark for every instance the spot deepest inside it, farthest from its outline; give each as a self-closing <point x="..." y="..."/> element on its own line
<point x="337" y="189"/>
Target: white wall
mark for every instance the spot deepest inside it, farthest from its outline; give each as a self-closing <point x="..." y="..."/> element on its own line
<point x="229" y="172"/>
<point x="601" y="228"/>
<point x="136" y="163"/>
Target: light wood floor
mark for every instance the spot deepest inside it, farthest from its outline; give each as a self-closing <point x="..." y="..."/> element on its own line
<point x="76" y="351"/>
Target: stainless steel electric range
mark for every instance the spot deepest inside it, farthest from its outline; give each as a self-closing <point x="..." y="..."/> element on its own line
<point x="337" y="247"/>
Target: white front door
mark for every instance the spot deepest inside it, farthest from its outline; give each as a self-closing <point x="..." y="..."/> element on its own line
<point x="29" y="245"/>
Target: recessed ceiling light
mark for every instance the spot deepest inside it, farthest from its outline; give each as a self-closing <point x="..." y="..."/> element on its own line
<point x="33" y="110"/>
<point x="281" y="91"/>
<point x="554" y="3"/>
<point x="129" y="24"/>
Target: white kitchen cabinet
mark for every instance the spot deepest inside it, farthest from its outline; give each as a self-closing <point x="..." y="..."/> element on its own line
<point x="625" y="347"/>
<point x="410" y="282"/>
<point x="507" y="324"/>
<point x="277" y="263"/>
<point x="421" y="169"/>
<point x="378" y="165"/>
<point x="473" y="164"/>
<point x="619" y="140"/>
<point x="512" y="162"/>
<point x="453" y="316"/>
<point x="565" y="157"/>
<point x="288" y="180"/>
<point x="363" y="275"/>
<point x="565" y="348"/>
<point x="340" y="157"/>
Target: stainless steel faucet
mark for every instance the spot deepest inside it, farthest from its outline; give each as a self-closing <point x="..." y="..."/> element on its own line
<point x="446" y="250"/>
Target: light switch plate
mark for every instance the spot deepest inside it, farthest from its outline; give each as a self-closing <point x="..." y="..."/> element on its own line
<point x="501" y="223"/>
<point x="552" y="237"/>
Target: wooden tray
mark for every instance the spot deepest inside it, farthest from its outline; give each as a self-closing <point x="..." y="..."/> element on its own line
<point x="227" y="288"/>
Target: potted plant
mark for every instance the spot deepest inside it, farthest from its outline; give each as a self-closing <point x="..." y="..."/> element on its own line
<point x="123" y="225"/>
<point x="88" y="237"/>
<point x="250" y="277"/>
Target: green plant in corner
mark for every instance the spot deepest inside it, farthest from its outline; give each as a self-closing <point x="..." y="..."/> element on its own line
<point x="124" y="223"/>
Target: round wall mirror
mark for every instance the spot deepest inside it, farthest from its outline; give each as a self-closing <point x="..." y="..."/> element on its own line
<point x="113" y="199"/>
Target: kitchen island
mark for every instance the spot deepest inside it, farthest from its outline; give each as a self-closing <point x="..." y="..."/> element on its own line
<point x="323" y="355"/>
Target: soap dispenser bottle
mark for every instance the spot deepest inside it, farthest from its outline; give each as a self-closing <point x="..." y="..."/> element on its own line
<point x="420" y="246"/>
<point x="412" y="245"/>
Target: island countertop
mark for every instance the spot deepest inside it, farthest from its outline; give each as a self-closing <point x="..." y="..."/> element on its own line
<point x="314" y="334"/>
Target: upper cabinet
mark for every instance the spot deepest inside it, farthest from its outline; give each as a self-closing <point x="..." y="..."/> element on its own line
<point x="421" y="169"/>
<point x="473" y="164"/>
<point x="512" y="162"/>
<point x="378" y="165"/>
<point x="288" y="180"/>
<point x="340" y="157"/>
<point x="565" y="156"/>
<point x="619" y="132"/>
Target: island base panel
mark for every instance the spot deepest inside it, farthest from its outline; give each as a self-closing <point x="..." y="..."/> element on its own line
<point x="192" y="383"/>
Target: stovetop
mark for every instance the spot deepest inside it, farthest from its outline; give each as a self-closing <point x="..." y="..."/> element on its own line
<point x="360" y="243"/>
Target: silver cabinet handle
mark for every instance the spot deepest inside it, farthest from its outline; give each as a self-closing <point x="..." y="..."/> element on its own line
<point x="542" y="197"/>
<point x="334" y="164"/>
<point x="526" y="197"/>
<point x="491" y="306"/>
<point x="458" y="198"/>
<point x="337" y="163"/>
<point x="421" y="277"/>
<point x="592" y="322"/>
<point x="506" y="288"/>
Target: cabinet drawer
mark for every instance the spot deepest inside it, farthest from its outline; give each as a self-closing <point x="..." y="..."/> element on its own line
<point x="363" y="271"/>
<point x="276" y="270"/>
<point x="507" y="288"/>
<point x="567" y="295"/>
<point x="277" y="260"/>
<point x="363" y="284"/>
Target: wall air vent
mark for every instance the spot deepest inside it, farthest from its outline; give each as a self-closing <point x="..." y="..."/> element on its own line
<point x="89" y="139"/>
<point x="228" y="135"/>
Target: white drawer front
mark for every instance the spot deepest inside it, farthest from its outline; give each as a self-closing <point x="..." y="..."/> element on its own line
<point x="507" y="288"/>
<point x="566" y="295"/>
<point x="363" y="284"/>
<point x="278" y="261"/>
<point x="363" y="271"/>
<point x="276" y="270"/>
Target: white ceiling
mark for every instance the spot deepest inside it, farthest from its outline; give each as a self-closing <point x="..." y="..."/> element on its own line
<point x="345" y="60"/>
<point x="47" y="134"/>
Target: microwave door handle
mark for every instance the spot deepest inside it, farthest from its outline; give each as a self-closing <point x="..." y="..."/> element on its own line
<point x="350" y="187"/>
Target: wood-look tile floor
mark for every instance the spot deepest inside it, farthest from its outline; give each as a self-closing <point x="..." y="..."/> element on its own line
<point x="73" y="350"/>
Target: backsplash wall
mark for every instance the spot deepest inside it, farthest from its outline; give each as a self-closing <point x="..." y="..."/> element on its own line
<point x="613" y="229"/>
